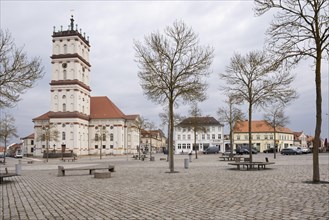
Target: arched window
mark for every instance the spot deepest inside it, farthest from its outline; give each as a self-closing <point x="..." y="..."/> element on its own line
<point x="64" y="74"/>
<point x="111" y="137"/>
<point x="64" y="107"/>
<point x="63" y="97"/>
<point x="63" y="136"/>
<point x="65" y="48"/>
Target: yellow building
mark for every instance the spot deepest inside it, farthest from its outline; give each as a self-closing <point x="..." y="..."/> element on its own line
<point x="262" y="135"/>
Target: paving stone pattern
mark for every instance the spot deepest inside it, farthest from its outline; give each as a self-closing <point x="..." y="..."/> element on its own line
<point x="208" y="189"/>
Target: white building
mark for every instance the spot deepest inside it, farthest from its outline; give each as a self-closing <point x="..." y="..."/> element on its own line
<point x="85" y="124"/>
<point x="209" y="132"/>
<point x="28" y="145"/>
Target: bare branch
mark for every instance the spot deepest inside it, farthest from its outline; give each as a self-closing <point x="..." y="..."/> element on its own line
<point x="17" y="72"/>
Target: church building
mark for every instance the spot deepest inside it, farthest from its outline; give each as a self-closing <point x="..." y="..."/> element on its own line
<point x="77" y="121"/>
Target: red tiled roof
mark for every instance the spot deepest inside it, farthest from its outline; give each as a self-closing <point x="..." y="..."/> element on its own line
<point x="258" y="127"/>
<point x="103" y="107"/>
<point x="42" y="117"/>
<point x="31" y="136"/>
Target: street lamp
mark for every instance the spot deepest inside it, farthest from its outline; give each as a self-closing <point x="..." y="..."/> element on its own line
<point x="46" y="136"/>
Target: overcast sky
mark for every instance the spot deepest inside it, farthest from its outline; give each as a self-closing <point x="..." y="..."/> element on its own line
<point x="112" y="26"/>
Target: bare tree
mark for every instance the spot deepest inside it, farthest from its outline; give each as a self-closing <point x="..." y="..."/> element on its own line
<point x="164" y="117"/>
<point x="141" y="125"/>
<point x="172" y="66"/>
<point x="17" y="72"/>
<point x="7" y="130"/>
<point x="256" y="80"/>
<point x="300" y="30"/>
<point x="275" y="117"/>
<point x="230" y="115"/>
<point x="101" y="134"/>
<point x="48" y="133"/>
<point x="195" y="112"/>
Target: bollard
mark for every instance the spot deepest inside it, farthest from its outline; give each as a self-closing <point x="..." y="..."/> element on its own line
<point x="190" y="157"/>
<point x="18" y="169"/>
<point x="152" y="158"/>
<point x="186" y="163"/>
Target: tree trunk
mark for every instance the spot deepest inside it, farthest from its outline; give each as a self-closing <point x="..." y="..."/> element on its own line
<point x="249" y="129"/>
<point x="171" y="138"/>
<point x="274" y="150"/>
<point x="316" y="143"/>
<point x="196" y="150"/>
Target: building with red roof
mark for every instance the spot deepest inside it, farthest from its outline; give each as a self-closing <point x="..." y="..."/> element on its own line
<point x="77" y="121"/>
<point x="262" y="135"/>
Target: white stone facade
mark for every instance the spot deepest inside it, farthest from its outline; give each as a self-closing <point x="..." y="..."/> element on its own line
<point x="212" y="134"/>
<point x="71" y="110"/>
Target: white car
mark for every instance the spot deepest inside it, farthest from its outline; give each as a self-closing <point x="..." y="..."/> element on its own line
<point x="18" y="156"/>
<point x="305" y="150"/>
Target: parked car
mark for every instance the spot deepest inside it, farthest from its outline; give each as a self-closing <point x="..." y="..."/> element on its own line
<point x="305" y="150"/>
<point x="228" y="152"/>
<point x="298" y="149"/>
<point x="18" y="155"/>
<point x="290" y="151"/>
<point x="211" y="150"/>
<point x="245" y="150"/>
<point x="270" y="150"/>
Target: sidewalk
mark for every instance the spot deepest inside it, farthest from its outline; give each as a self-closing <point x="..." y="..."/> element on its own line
<point x="209" y="189"/>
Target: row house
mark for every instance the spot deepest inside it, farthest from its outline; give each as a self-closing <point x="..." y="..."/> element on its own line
<point x="28" y="146"/>
<point x="209" y="132"/>
<point x="262" y="135"/>
<point x="300" y="139"/>
<point x="154" y="140"/>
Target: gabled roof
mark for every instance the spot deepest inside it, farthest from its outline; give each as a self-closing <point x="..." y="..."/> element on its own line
<point x="258" y="127"/>
<point x="205" y="121"/>
<point x="297" y="134"/>
<point x="31" y="136"/>
<point x="102" y="107"/>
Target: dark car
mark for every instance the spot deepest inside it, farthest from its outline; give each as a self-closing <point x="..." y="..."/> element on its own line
<point x="211" y="150"/>
<point x="270" y="150"/>
<point x="245" y="150"/>
<point x="289" y="151"/>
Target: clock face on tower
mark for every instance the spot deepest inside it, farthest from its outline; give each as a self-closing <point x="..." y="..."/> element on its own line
<point x="64" y="65"/>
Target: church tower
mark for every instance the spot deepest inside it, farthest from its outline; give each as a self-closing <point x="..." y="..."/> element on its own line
<point x="69" y="86"/>
<point x="77" y="122"/>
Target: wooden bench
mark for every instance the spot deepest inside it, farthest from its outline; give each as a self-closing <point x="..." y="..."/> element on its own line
<point x="73" y="159"/>
<point x="61" y="169"/>
<point x="230" y="158"/>
<point x="6" y="174"/>
<point x="250" y="165"/>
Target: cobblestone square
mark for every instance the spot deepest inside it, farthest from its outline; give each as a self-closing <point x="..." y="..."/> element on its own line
<point x="208" y="189"/>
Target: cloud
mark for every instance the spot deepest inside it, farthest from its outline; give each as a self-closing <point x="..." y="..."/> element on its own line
<point x="112" y="26"/>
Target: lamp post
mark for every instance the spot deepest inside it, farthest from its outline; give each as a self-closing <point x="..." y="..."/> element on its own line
<point x="46" y="136"/>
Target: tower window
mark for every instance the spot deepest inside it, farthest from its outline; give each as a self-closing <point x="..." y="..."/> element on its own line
<point x="64" y="107"/>
<point x="64" y="74"/>
<point x="65" y="48"/>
